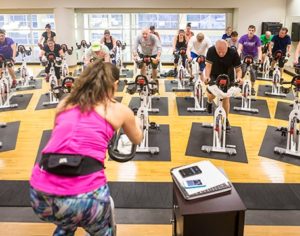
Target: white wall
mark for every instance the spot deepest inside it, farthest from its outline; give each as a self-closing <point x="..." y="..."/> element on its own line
<point x="246" y="13"/>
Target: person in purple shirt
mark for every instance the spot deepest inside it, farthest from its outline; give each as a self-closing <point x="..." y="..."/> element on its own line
<point x="250" y="45"/>
<point x="8" y="50"/>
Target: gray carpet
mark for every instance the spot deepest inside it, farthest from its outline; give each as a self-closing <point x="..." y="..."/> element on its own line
<point x="9" y="135"/>
<point x="272" y="139"/>
<point x="283" y="109"/>
<point x="22" y="100"/>
<point x="264" y="88"/>
<point x="261" y="105"/>
<point x="38" y="85"/>
<point x="200" y="136"/>
<point x="184" y="102"/>
<point x="169" y="87"/>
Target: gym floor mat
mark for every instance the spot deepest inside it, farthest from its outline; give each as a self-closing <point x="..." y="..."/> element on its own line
<point x="44" y="98"/>
<point x="44" y="140"/>
<point x="274" y="139"/>
<point x="184" y="102"/>
<point x="200" y="136"/>
<point x="261" y="105"/>
<point x="41" y="74"/>
<point x="38" y="85"/>
<point x="157" y="138"/>
<point x="161" y="103"/>
<point x="21" y="99"/>
<point x="169" y="86"/>
<point x="121" y="86"/>
<point x="267" y="88"/>
<point x="9" y="135"/>
<point x="119" y="99"/>
<point x="158" y="195"/>
<point x="283" y="109"/>
<point x="129" y="74"/>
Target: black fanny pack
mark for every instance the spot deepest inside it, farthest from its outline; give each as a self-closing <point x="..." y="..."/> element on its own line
<point x="69" y="164"/>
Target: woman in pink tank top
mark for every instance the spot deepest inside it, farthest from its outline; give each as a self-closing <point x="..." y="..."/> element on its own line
<point x="68" y="184"/>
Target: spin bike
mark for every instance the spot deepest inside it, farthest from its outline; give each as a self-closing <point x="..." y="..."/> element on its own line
<point x="146" y="89"/>
<point x="153" y="86"/>
<point x="119" y="57"/>
<point x="6" y="92"/>
<point x="26" y="75"/>
<point x="182" y="78"/>
<point x="221" y="90"/>
<point x="199" y="87"/>
<point x="293" y="130"/>
<point x="83" y="45"/>
<point x="246" y="89"/>
<point x="65" y="68"/>
<point x="277" y="80"/>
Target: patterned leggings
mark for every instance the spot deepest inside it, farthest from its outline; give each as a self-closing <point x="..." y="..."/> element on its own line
<point x="91" y="211"/>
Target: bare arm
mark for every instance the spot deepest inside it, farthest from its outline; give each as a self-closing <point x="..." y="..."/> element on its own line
<point x="240" y="49"/>
<point x="259" y="53"/>
<point x="238" y="71"/>
<point x="270" y="47"/>
<point x="14" y="48"/>
<point x="288" y="50"/>
<point x="207" y="71"/>
<point x="188" y="49"/>
<point x="174" y="43"/>
<point x="41" y="40"/>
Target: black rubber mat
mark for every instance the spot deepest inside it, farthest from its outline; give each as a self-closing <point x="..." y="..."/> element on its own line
<point x="44" y="98"/>
<point x="161" y="103"/>
<point x="184" y="102"/>
<point x="261" y="105"/>
<point x="46" y="135"/>
<point x="274" y="139"/>
<point x="22" y="100"/>
<point x="157" y="138"/>
<point x="169" y="86"/>
<point x="258" y="196"/>
<point x="283" y="110"/>
<point x="129" y="74"/>
<point x="38" y="85"/>
<point x="41" y="74"/>
<point x="200" y="136"/>
<point x="121" y="86"/>
<point x="267" y="88"/>
<point x="119" y="99"/>
<point x="158" y="195"/>
<point x="9" y="135"/>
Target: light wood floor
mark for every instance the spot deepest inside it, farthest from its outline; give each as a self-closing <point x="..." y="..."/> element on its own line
<point x="17" y="164"/>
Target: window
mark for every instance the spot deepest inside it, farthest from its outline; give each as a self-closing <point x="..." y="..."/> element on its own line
<point x="26" y="29"/>
<point x="207" y="21"/>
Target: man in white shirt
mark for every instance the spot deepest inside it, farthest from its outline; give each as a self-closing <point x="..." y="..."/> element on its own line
<point x="197" y="46"/>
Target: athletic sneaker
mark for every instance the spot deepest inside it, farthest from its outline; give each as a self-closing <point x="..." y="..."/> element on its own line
<point x="209" y="107"/>
<point x="253" y="92"/>
<point x="228" y="127"/>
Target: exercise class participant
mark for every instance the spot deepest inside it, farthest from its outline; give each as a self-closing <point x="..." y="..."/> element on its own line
<point x="108" y="40"/>
<point x="179" y="42"/>
<point x="250" y="45"/>
<point x="152" y="31"/>
<point x="84" y="124"/>
<point x="197" y="46"/>
<point x="265" y="40"/>
<point x="220" y="59"/>
<point x="55" y="48"/>
<point x="8" y="50"/>
<point x="297" y="54"/>
<point x="233" y="41"/>
<point x="97" y="51"/>
<point x="188" y="32"/>
<point x="282" y="42"/>
<point x="227" y="34"/>
<point x="48" y="34"/>
<point x="150" y="46"/>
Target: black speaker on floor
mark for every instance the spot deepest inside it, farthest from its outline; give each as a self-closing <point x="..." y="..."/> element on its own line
<point x="274" y="27"/>
<point x="295" y="31"/>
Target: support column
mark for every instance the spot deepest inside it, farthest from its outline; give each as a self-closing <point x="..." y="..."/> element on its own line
<point x="65" y="30"/>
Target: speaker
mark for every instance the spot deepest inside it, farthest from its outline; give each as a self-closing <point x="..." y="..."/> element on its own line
<point x="295" y="35"/>
<point x="274" y="27"/>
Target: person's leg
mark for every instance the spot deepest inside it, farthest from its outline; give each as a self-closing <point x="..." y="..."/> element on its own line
<point x="226" y="106"/>
<point x="47" y="70"/>
<point x="210" y="98"/>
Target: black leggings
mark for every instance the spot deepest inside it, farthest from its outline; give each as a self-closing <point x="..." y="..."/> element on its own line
<point x="56" y="69"/>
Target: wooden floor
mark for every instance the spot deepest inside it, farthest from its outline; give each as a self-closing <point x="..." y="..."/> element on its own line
<point x="17" y="164"/>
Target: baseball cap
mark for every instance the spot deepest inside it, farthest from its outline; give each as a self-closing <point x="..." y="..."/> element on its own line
<point x="96" y="46"/>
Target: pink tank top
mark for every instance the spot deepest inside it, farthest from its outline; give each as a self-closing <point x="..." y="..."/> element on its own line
<point x="75" y="133"/>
